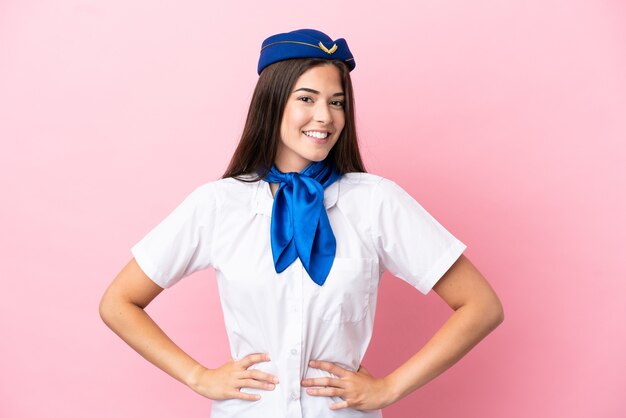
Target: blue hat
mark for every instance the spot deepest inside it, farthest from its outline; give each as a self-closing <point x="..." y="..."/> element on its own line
<point x="304" y="43"/>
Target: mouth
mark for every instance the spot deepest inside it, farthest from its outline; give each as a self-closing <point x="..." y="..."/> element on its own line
<point x="317" y="134"/>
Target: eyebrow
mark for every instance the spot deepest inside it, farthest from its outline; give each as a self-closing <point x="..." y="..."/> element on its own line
<point x="317" y="92"/>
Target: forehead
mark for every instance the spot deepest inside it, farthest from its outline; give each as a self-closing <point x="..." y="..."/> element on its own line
<point x="321" y="78"/>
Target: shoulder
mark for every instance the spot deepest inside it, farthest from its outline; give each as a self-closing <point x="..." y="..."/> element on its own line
<point x="225" y="186"/>
<point x="378" y="193"/>
<point x="226" y="194"/>
<point x="358" y="182"/>
<point x="362" y="179"/>
<point x="357" y="191"/>
<point x="368" y="183"/>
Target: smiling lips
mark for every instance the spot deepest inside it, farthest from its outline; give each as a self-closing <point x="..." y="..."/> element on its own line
<point x="316" y="134"/>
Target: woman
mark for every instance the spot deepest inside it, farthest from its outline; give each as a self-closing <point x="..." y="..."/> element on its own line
<point x="299" y="235"/>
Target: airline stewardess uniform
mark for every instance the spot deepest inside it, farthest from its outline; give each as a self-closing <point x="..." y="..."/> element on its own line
<point x="284" y="293"/>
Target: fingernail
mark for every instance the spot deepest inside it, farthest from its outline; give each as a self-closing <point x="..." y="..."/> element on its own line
<point x="275" y="380"/>
<point x="311" y="363"/>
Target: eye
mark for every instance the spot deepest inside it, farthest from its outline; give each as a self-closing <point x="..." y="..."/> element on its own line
<point x="305" y="99"/>
<point x="337" y="103"/>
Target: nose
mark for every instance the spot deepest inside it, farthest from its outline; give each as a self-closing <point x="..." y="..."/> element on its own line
<point x="322" y="113"/>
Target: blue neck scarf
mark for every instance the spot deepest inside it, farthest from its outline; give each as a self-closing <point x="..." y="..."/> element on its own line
<point x="300" y="225"/>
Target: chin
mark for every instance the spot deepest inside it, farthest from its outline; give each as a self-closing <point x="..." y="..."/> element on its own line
<point x="318" y="156"/>
<point x="317" y="159"/>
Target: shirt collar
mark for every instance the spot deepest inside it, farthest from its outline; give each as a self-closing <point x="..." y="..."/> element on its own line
<point x="263" y="201"/>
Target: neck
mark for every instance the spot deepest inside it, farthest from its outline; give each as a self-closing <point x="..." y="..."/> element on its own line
<point x="289" y="168"/>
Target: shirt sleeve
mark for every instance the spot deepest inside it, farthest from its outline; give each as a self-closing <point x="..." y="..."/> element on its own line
<point x="181" y="243"/>
<point x="410" y="243"/>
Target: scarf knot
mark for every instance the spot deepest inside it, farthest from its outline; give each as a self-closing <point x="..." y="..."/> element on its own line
<point x="299" y="226"/>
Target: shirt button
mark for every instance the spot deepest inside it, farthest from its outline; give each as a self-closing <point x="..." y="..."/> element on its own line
<point x="294" y="351"/>
<point x="294" y="396"/>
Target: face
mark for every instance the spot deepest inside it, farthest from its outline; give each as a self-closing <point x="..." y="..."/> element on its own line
<point x="312" y="120"/>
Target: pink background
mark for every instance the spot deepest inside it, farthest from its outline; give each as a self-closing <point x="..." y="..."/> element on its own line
<point x="506" y="120"/>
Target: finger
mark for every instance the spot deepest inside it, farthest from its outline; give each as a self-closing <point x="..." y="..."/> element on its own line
<point x="251" y="383"/>
<point x="339" y="405"/>
<point x="329" y="367"/>
<point x="251" y="359"/>
<point x="323" y="381"/>
<point x="259" y="375"/>
<point x="325" y="391"/>
<point x="245" y="396"/>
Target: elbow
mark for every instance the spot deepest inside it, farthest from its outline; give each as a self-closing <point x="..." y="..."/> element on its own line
<point x="107" y="308"/>
<point x="496" y="313"/>
<point x="104" y="308"/>
<point x="498" y="318"/>
<point x="488" y="312"/>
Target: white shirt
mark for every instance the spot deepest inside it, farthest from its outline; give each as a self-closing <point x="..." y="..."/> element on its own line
<point x="225" y="224"/>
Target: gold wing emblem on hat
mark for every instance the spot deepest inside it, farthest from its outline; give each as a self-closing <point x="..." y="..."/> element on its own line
<point x="328" y="51"/>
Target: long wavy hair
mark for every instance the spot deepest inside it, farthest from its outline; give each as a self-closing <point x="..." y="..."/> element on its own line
<point x="259" y="141"/>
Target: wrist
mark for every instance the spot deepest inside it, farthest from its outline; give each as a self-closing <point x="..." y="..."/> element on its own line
<point x="391" y="392"/>
<point x="195" y="376"/>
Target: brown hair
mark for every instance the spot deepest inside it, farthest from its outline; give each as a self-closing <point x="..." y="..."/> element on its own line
<point x="259" y="141"/>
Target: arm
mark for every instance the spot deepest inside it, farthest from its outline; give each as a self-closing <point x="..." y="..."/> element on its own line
<point x="478" y="311"/>
<point x="122" y="309"/>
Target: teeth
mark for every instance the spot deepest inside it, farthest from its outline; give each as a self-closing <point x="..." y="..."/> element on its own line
<point x="318" y="135"/>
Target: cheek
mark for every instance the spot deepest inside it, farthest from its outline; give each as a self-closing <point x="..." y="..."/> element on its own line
<point x="287" y="123"/>
<point x="298" y="118"/>
<point x="340" y="121"/>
